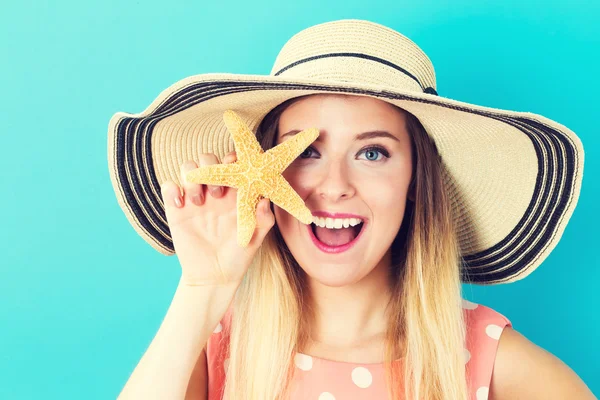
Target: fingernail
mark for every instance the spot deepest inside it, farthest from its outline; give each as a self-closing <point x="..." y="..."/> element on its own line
<point x="216" y="191"/>
<point x="196" y="199"/>
<point x="178" y="201"/>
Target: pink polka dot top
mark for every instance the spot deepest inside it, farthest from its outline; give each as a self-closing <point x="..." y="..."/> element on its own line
<point x="322" y="379"/>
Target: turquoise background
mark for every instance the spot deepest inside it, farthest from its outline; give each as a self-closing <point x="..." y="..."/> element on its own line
<point x="83" y="295"/>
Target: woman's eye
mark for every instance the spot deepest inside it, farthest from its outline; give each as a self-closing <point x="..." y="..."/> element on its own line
<point x="373" y="153"/>
<point x="307" y="152"/>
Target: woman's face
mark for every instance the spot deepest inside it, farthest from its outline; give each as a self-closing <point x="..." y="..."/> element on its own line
<point x="361" y="165"/>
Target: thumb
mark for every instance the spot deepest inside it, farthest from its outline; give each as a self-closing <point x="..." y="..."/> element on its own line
<point x="264" y="221"/>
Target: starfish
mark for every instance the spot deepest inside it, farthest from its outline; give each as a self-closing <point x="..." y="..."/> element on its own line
<point x="257" y="174"/>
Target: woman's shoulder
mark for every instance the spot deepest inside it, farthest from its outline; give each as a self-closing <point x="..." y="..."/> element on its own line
<point x="506" y="364"/>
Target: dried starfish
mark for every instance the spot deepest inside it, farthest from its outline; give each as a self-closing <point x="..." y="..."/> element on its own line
<point x="257" y="174"/>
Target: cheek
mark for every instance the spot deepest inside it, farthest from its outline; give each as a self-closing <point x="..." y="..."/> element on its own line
<point x="300" y="180"/>
<point x="386" y="198"/>
<point x="384" y="190"/>
<point x="288" y="226"/>
<point x="382" y="184"/>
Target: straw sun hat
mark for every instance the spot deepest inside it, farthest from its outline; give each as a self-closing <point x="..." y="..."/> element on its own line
<point x="514" y="177"/>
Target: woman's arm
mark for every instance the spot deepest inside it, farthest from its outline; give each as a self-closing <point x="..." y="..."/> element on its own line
<point x="523" y="370"/>
<point x="173" y="363"/>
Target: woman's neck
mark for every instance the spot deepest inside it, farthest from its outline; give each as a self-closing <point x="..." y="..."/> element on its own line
<point x="349" y="315"/>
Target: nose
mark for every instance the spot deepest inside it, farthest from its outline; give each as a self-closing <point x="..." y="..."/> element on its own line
<point x="335" y="184"/>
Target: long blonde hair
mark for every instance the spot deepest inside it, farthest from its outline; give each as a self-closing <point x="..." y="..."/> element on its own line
<point x="270" y="321"/>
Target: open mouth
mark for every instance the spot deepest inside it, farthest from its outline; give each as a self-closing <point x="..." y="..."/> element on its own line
<point x="335" y="240"/>
<point x="336" y="237"/>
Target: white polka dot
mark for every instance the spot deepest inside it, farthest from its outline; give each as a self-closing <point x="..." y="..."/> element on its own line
<point x="482" y="393"/>
<point x="362" y="377"/>
<point x="326" y="396"/>
<point x="303" y="361"/>
<point x="469" y="305"/>
<point x="218" y="329"/>
<point x="467" y="356"/>
<point x="493" y="331"/>
<point x="226" y="364"/>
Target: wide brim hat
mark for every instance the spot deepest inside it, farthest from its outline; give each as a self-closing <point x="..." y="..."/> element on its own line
<point x="514" y="178"/>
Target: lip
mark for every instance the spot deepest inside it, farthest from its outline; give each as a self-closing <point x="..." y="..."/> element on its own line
<point x="335" y="249"/>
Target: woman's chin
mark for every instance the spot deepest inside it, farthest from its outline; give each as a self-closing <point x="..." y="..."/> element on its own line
<point x="334" y="275"/>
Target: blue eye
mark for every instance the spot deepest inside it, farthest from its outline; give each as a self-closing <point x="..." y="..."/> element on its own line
<point x="372" y="152"/>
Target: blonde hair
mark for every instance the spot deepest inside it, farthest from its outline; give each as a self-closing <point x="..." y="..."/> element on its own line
<point x="272" y="308"/>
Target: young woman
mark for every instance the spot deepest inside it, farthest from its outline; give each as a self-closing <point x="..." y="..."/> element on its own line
<point x="411" y="196"/>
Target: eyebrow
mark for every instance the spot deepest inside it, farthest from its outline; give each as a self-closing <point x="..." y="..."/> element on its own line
<point x="360" y="136"/>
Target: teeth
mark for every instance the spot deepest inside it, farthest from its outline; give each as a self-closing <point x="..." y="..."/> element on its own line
<point x="336" y="223"/>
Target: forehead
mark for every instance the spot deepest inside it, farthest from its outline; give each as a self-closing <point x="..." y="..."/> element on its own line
<point x="333" y="112"/>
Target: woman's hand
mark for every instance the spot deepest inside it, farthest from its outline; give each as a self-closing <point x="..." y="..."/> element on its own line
<point x="204" y="228"/>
